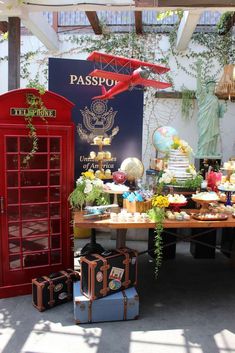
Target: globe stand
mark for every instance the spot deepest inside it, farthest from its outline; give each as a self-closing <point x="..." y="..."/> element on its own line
<point x="92" y="247"/>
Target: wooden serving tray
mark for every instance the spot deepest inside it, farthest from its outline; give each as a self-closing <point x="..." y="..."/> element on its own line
<point x="201" y="217"/>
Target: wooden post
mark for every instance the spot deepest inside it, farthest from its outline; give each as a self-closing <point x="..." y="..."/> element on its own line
<point x="13" y="53"/>
<point x="121" y="238"/>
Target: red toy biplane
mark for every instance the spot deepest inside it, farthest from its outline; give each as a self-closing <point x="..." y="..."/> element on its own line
<point x="128" y="73"/>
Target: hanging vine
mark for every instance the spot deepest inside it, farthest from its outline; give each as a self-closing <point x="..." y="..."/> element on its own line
<point x="187" y="103"/>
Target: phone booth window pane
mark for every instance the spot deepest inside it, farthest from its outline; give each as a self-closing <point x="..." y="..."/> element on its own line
<point x="14" y="262"/>
<point x="54" y="161"/>
<point x="11" y="144"/>
<point x="54" y="194"/>
<point x="38" y="259"/>
<point x="55" y="256"/>
<point x="14" y="246"/>
<point x="13" y="213"/>
<point x="31" y="178"/>
<point x="34" y="228"/>
<point x="54" y="178"/>
<point x="13" y="230"/>
<point x="55" y="242"/>
<point x="12" y="179"/>
<point x="12" y="161"/>
<point x="54" y="210"/>
<point x="12" y="196"/>
<point x="26" y="144"/>
<point x="42" y="144"/>
<point x="55" y="144"/>
<point x="34" y="211"/>
<point x="55" y="226"/>
<point x="34" y="244"/>
<point x="34" y="195"/>
<point x="38" y="161"/>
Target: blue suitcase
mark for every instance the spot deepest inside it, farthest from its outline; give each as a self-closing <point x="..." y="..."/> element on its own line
<point x="122" y="305"/>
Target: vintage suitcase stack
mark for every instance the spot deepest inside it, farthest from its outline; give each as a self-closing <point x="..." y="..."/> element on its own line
<point x="55" y="289"/>
<point x="107" y="290"/>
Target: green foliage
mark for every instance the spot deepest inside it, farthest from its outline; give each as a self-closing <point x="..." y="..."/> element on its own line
<point x="162" y="15"/>
<point x="32" y="129"/>
<point x="77" y="198"/>
<point x="3" y="37"/>
<point x="187" y="103"/>
<point x="157" y="215"/>
<point x="225" y="22"/>
<point x="191" y="184"/>
<point x="37" y="85"/>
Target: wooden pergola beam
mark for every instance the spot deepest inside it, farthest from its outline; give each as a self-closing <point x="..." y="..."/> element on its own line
<point x="186" y="28"/>
<point x="138" y="22"/>
<point x="183" y="3"/>
<point x="3" y="26"/>
<point x="55" y="21"/>
<point x="13" y="53"/>
<point x="94" y="21"/>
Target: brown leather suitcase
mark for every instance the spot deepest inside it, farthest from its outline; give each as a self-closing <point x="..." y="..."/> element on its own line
<point x="108" y="273"/>
<point x="52" y="290"/>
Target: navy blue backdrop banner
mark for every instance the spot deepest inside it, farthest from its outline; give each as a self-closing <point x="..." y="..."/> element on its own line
<point x="120" y="118"/>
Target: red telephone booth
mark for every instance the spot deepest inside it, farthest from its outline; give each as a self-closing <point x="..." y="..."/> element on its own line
<point x="34" y="212"/>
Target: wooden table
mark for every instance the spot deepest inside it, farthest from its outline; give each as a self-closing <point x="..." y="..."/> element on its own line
<point x="168" y="224"/>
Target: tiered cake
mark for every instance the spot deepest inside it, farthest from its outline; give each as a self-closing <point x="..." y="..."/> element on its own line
<point x="178" y="164"/>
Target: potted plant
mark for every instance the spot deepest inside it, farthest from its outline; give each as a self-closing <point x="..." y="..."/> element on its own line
<point x="88" y="191"/>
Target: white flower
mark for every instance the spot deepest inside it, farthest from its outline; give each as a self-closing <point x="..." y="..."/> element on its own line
<point x="88" y="187"/>
<point x="167" y="177"/>
<point x="79" y="180"/>
<point x="98" y="182"/>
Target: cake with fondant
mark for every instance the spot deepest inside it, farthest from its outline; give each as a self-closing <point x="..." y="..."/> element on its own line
<point x="178" y="164"/>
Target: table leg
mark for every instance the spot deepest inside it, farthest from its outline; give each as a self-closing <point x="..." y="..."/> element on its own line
<point x="232" y="258"/>
<point x="121" y="238"/>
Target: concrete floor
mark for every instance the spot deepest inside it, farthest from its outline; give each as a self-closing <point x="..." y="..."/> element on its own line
<point x="190" y="308"/>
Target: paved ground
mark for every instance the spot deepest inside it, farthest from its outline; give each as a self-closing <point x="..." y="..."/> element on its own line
<point x="190" y="308"/>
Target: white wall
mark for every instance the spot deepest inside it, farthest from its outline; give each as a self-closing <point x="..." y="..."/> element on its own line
<point x="161" y="112"/>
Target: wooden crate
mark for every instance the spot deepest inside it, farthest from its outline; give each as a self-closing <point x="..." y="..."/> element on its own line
<point x="138" y="206"/>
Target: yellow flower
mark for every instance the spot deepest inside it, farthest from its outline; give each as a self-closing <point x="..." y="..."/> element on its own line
<point x="160" y="201"/>
<point x="176" y="140"/>
<point x="89" y="175"/>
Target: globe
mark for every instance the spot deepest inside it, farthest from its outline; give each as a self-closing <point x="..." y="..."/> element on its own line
<point x="163" y="138"/>
<point x="133" y="168"/>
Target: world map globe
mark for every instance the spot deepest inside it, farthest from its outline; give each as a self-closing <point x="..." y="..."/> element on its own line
<point x="163" y="138"/>
<point x="133" y="168"/>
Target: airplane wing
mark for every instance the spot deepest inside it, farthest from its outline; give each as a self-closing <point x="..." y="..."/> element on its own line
<point x="154" y="84"/>
<point x="110" y="75"/>
<point x="133" y="64"/>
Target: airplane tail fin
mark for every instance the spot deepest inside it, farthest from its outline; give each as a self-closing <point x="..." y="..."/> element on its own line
<point x="104" y="94"/>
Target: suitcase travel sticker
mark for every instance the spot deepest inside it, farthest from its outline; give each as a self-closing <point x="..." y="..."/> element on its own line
<point x="115" y="276"/>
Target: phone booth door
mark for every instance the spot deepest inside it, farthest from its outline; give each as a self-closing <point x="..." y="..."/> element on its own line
<point x="35" y="231"/>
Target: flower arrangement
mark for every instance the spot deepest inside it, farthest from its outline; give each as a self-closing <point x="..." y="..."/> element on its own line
<point x="89" y="189"/>
<point x="157" y="215"/>
<point x="167" y="177"/>
<point x="183" y="146"/>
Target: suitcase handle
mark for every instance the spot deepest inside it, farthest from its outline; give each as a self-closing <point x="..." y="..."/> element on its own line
<point x="106" y="253"/>
<point x="54" y="275"/>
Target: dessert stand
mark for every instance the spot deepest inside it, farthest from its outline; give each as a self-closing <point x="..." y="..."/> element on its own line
<point x="228" y="193"/>
<point x="204" y="204"/>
